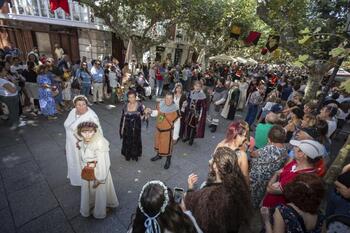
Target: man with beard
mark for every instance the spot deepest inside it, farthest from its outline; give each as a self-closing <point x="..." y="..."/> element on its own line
<point x="218" y="100"/>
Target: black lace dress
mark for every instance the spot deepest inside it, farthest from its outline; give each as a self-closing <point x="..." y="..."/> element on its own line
<point x="130" y="132"/>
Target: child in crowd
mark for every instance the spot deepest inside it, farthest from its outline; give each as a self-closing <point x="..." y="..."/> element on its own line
<point x="67" y="90"/>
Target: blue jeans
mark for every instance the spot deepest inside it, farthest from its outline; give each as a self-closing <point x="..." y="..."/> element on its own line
<point x="159" y="89"/>
<point x="251" y="114"/>
<point x="58" y="98"/>
<point x="336" y="204"/>
<point x="85" y="90"/>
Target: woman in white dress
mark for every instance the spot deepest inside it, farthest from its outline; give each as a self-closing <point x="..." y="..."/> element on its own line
<point x="180" y="101"/>
<point x="97" y="190"/>
<point x="243" y="87"/>
<point x="79" y="114"/>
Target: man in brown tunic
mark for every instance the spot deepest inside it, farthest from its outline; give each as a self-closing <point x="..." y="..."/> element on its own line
<point x="167" y="113"/>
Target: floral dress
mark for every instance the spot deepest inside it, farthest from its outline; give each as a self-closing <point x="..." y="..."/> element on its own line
<point x="46" y="100"/>
<point x="294" y="223"/>
<point x="271" y="159"/>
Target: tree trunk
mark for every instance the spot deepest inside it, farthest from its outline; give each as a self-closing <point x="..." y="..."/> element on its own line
<point x="312" y="86"/>
<point x="317" y="72"/>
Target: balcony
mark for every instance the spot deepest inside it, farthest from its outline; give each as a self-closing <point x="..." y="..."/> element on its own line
<point x="39" y="11"/>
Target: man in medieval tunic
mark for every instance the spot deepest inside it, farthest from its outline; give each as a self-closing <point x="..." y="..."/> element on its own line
<point x="217" y="102"/>
<point x="167" y="113"/>
<point x="195" y="114"/>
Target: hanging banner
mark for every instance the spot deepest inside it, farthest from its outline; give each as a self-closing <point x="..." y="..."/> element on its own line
<point x="235" y="32"/>
<point x="55" y="4"/>
<point x="252" y="38"/>
<point x="272" y="43"/>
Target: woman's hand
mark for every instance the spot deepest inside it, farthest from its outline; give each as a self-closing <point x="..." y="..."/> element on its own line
<point x="342" y="189"/>
<point x="192" y="180"/>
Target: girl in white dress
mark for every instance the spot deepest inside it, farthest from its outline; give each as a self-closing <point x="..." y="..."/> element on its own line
<point x="98" y="193"/>
<point x="79" y="114"/>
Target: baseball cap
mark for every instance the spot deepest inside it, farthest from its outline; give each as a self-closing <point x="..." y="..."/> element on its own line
<point x="311" y="148"/>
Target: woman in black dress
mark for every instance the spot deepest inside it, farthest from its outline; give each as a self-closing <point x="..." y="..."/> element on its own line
<point x="130" y="128"/>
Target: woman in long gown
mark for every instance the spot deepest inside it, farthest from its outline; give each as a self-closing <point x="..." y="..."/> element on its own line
<point x="179" y="99"/>
<point x="46" y="100"/>
<point x="98" y="194"/>
<point x="243" y="87"/>
<point x="229" y="110"/>
<point x="80" y="113"/>
<point x="130" y="128"/>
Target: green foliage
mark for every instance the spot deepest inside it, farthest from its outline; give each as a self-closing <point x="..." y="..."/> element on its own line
<point x="346" y="86"/>
<point x="317" y="25"/>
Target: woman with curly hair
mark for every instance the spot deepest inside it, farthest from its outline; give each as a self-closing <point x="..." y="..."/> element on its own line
<point x="223" y="205"/>
<point x="157" y="212"/>
<point x="301" y="213"/>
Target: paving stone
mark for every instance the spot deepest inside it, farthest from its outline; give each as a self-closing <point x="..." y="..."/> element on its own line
<point x="44" y="146"/>
<point x="10" y="138"/>
<point x="56" y="172"/>
<point x="20" y="170"/>
<point x="11" y="156"/>
<point x="69" y="203"/>
<point x="16" y="183"/>
<point x="45" y="159"/>
<point x="3" y="197"/>
<point x="53" y="221"/>
<point x="110" y="224"/>
<point x="7" y="225"/>
<point x="31" y="202"/>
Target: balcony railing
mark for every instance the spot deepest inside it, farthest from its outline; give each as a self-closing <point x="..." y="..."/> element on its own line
<point x="39" y="11"/>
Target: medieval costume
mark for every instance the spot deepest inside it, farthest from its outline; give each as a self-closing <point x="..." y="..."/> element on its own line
<point x="178" y="125"/>
<point x="218" y="99"/>
<point x="72" y="153"/>
<point x="130" y="132"/>
<point x="163" y="140"/>
<point x="229" y="110"/>
<point x="243" y="87"/>
<point x="98" y="194"/>
<point x="195" y="116"/>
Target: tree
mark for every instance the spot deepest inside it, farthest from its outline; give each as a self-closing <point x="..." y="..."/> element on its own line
<point x="311" y="30"/>
<point x="146" y="23"/>
<point x="208" y="22"/>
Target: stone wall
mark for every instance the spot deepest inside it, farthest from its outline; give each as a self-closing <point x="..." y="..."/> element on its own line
<point x="94" y="44"/>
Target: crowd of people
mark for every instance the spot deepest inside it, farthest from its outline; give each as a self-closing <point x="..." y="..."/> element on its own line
<point x="273" y="160"/>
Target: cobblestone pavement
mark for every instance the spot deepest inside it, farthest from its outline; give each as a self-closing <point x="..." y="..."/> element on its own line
<point x="35" y="195"/>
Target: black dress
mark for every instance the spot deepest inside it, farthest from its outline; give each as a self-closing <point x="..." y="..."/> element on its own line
<point x="130" y="132"/>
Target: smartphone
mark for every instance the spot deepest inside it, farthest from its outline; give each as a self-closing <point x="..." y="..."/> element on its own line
<point x="178" y="195"/>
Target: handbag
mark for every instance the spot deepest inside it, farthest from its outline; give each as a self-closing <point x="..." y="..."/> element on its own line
<point x="76" y="84"/>
<point x="88" y="173"/>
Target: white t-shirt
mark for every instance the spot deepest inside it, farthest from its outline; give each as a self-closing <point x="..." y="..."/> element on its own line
<point x="59" y="53"/>
<point x="3" y="91"/>
<point x="332" y="126"/>
<point x="113" y="79"/>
